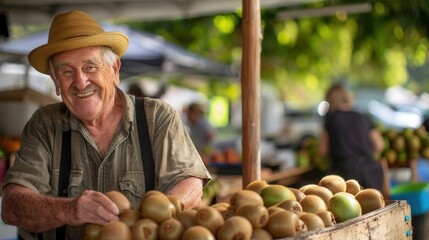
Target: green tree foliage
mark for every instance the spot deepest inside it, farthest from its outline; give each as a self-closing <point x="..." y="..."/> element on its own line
<point x="301" y="57"/>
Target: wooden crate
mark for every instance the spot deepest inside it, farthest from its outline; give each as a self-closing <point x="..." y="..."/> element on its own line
<point x="391" y="222"/>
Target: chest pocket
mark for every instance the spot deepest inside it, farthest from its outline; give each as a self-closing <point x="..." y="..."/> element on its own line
<point x="131" y="185"/>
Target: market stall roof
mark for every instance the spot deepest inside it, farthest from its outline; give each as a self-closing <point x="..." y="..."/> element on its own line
<point x="31" y="11"/>
<point x="146" y="53"/>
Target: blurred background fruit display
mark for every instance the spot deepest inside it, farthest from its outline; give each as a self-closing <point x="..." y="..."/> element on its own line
<point x="402" y="146"/>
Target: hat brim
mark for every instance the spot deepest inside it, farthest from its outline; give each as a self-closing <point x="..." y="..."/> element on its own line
<point x="39" y="56"/>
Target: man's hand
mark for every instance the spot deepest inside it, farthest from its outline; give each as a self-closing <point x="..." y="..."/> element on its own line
<point x="92" y="207"/>
<point x="34" y="212"/>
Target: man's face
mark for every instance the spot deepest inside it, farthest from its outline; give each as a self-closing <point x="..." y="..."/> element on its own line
<point x="86" y="81"/>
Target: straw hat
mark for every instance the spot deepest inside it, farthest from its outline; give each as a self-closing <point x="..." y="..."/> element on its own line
<point x="72" y="30"/>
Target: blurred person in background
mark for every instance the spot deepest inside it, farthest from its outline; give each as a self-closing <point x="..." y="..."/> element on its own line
<point x="351" y="141"/>
<point x="201" y="131"/>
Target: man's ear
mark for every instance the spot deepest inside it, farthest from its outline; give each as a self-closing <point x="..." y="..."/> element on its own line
<point x="57" y="85"/>
<point x="116" y="67"/>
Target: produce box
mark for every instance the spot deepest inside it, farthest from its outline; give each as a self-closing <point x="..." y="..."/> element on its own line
<point x="416" y="194"/>
<point x="391" y="222"/>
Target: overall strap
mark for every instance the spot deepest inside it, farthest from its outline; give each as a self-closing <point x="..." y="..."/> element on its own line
<point x="145" y="145"/>
<point x="63" y="181"/>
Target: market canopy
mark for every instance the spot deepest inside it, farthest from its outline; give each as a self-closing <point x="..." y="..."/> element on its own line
<point x="40" y="11"/>
<point x="146" y="53"/>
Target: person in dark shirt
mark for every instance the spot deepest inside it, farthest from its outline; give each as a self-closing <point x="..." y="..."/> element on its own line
<point x="351" y="141"/>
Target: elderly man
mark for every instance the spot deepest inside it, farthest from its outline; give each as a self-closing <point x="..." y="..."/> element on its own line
<point x="103" y="145"/>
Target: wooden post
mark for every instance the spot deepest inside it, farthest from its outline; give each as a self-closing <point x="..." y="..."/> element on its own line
<point x="250" y="90"/>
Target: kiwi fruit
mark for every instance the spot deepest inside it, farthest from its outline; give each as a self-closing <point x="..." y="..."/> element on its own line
<point x="335" y="183"/>
<point x="171" y="229"/>
<point x="298" y="194"/>
<point x="177" y="202"/>
<point x="327" y="217"/>
<point x="312" y="221"/>
<point x="291" y="205"/>
<point x="303" y="188"/>
<point x="120" y="200"/>
<point x="283" y="224"/>
<point x="130" y="216"/>
<point x="210" y="218"/>
<point x="274" y="209"/>
<point x="198" y="233"/>
<point x="241" y="197"/>
<point x="256" y="185"/>
<point x="313" y="204"/>
<point x="320" y="191"/>
<point x="344" y="206"/>
<point x="92" y="230"/>
<point x="261" y="234"/>
<point x="154" y="192"/>
<point x="156" y="207"/>
<point x="301" y="226"/>
<point x="256" y="214"/>
<point x="275" y="193"/>
<point x="370" y="199"/>
<point x="353" y="186"/>
<point x="145" y="229"/>
<point x="187" y="218"/>
<point x="115" y="230"/>
<point x="235" y="227"/>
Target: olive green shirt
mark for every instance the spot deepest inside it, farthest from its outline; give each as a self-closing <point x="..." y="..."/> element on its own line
<point x="36" y="165"/>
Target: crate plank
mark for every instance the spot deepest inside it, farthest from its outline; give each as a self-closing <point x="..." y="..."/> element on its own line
<point x="394" y="221"/>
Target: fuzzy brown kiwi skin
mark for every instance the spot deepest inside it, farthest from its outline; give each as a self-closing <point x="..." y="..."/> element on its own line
<point x="177" y="202"/>
<point x="313" y="203"/>
<point x="197" y="232"/>
<point x="236" y="227"/>
<point x="120" y="200"/>
<point x="370" y="199"/>
<point x="298" y="194"/>
<point x="353" y="186"/>
<point x="130" y="216"/>
<point x="327" y="217"/>
<point x="115" y="230"/>
<point x="157" y="207"/>
<point x="92" y="230"/>
<point x="244" y="197"/>
<point x="291" y="205"/>
<point x="320" y="191"/>
<point x="283" y="224"/>
<point x="210" y="218"/>
<point x="335" y="183"/>
<point x="171" y="229"/>
<point x="256" y="185"/>
<point x="145" y="229"/>
<point x="312" y="221"/>
<point x="261" y="234"/>
<point x="256" y="214"/>
<point x="187" y="218"/>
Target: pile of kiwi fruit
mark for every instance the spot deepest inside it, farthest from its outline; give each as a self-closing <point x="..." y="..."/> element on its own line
<point x="404" y="145"/>
<point x="259" y="211"/>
